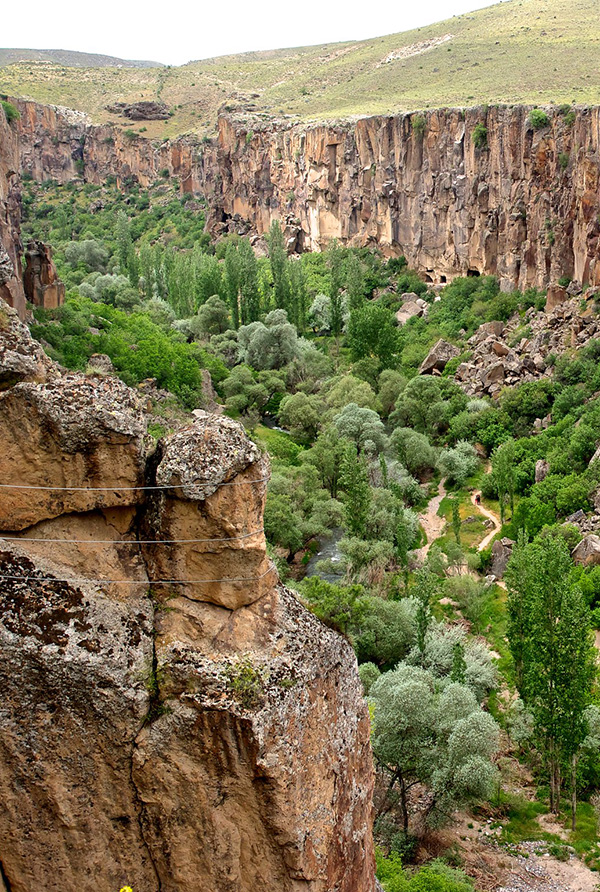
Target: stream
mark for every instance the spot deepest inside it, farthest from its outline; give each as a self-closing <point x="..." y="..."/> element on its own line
<point x="328" y="551"/>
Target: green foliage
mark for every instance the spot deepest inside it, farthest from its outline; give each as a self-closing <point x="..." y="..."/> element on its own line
<point x="553" y="650"/>
<point x="138" y="347"/>
<point x="435" y="734"/>
<point x="479" y="136"/>
<point x="246" y="682"/>
<point x="538" y="119"/>
<point x="419" y="125"/>
<point x="11" y="112"/>
<point x="433" y="877"/>
<point x="340" y="607"/>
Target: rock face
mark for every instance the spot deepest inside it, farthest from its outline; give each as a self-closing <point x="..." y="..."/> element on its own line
<point x="11" y="288"/>
<point x="511" y="209"/>
<point x="157" y="729"/>
<point x="42" y="286"/>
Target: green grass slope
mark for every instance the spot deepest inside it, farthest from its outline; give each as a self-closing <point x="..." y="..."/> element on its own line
<point x="520" y="51"/>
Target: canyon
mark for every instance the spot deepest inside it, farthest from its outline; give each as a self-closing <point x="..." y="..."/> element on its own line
<point x="524" y="206"/>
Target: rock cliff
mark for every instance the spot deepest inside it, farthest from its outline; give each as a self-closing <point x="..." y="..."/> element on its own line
<point x="11" y="287"/>
<point x="524" y="205"/>
<point x="172" y="718"/>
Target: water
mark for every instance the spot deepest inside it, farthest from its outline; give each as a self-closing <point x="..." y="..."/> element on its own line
<point x="328" y="551"/>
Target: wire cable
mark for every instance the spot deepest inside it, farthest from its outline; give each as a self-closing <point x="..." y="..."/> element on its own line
<point x="129" y="488"/>
<point x="127" y="541"/>
<point x="147" y="582"/>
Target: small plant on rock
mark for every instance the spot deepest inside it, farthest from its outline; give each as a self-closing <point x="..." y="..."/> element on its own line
<point x="479" y="136"/>
<point x="538" y="118"/>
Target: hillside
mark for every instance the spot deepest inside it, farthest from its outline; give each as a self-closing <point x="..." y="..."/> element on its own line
<point x="520" y="51"/>
<point x="72" y="59"/>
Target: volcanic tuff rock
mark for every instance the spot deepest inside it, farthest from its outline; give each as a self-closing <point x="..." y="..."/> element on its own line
<point x="172" y="736"/>
<point x="11" y="287"/>
<point x="512" y="208"/>
<point x="43" y="288"/>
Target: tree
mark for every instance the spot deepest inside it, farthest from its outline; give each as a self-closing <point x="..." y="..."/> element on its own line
<point x="301" y="415"/>
<point x="355" y="482"/>
<point x="372" y="332"/>
<point x="550" y="639"/>
<point x="326" y="455"/>
<point x="249" y="293"/>
<point x="335" y="256"/>
<point x="213" y="316"/>
<point x="362" y="426"/>
<point x="435" y="733"/>
<point x="459" y="463"/>
<point x="413" y="449"/>
<point x="355" y="281"/>
<point x="269" y="345"/>
<point x="279" y="263"/>
<point x="503" y="468"/>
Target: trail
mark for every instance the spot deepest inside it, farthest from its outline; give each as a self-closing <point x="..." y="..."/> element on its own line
<point x="491" y="516"/>
<point x="432" y="524"/>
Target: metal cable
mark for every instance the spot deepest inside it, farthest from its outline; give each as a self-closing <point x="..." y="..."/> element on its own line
<point x="127" y="488"/>
<point x="148" y="582"/>
<point x="127" y="541"/>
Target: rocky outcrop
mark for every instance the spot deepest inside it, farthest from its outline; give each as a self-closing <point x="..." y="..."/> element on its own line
<point x="501" y="554"/>
<point x="140" y="111"/>
<point x="525" y="207"/>
<point x="172" y="718"/>
<point x="11" y="288"/>
<point x="42" y="286"/>
<point x="438" y="358"/>
<point x="524" y="349"/>
<point x="587" y="552"/>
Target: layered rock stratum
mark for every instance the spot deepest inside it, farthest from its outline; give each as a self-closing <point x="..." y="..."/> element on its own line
<point x="524" y="205"/>
<point x="172" y="718"/>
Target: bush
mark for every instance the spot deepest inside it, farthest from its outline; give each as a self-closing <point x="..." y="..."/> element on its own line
<point x="419" y="125"/>
<point x="479" y="136"/>
<point x="11" y="112"/>
<point x="538" y="119"/>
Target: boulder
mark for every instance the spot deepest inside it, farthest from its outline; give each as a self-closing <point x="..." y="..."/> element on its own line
<point x="100" y="364"/>
<point x="542" y="467"/>
<point x="587" y="552"/>
<point x="21" y="358"/>
<point x="217" y="504"/>
<point x="408" y="309"/>
<point x="501" y="554"/>
<point x="555" y="296"/>
<point x="84" y="436"/>
<point x="438" y="357"/>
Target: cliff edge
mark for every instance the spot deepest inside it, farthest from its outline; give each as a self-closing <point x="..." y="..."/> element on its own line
<point x="172" y="718"/>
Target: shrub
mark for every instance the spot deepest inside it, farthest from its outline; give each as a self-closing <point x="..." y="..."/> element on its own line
<point x="538" y="118"/>
<point x="479" y="136"/>
<point x="11" y="112"/>
<point x="419" y="125"/>
<point x="563" y="160"/>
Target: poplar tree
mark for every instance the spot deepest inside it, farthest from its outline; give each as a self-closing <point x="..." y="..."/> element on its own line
<point x="551" y="643"/>
<point x="503" y="466"/>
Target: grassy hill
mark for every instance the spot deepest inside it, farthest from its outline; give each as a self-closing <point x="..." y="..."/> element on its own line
<point x="531" y="51"/>
<point x="71" y="59"/>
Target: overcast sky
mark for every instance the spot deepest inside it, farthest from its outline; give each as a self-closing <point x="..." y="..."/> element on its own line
<point x="185" y="31"/>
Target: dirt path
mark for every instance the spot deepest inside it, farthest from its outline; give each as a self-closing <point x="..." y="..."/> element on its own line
<point x="432" y="524"/>
<point x="491" y="516"/>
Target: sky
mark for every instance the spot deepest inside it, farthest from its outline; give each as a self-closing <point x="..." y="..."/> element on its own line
<point x="198" y="29"/>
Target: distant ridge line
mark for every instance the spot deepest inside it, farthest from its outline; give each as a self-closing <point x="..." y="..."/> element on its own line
<point x="71" y="59"/>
